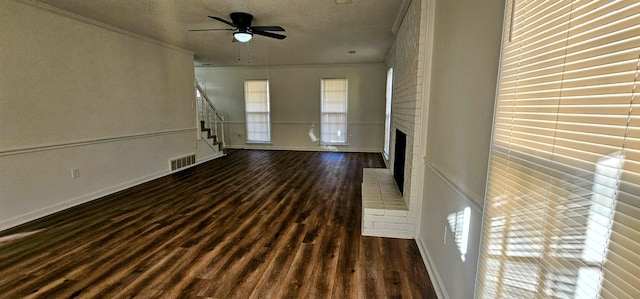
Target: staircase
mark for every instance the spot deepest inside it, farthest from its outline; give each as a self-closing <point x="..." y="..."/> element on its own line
<point x="211" y="121"/>
<point x="215" y="142"/>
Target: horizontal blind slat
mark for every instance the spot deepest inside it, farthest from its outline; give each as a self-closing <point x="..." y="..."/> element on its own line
<point x="619" y="287"/>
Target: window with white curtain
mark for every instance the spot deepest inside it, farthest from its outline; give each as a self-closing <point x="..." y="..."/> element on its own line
<point x="387" y="114"/>
<point x="256" y="103"/>
<point x="562" y="210"/>
<point x="333" y="121"/>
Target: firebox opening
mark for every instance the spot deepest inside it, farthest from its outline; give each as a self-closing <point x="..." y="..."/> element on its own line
<point x="399" y="159"/>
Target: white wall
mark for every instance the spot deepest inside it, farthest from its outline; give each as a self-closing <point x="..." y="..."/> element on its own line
<point x="75" y="93"/>
<point x="466" y="48"/>
<point x="295" y="103"/>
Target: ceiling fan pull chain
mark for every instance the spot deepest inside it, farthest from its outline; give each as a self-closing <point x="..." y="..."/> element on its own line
<point x="248" y="53"/>
<point x="238" y="51"/>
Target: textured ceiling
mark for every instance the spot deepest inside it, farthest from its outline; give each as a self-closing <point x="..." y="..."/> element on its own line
<point x="318" y="31"/>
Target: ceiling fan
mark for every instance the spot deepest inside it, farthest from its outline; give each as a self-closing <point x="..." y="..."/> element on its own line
<point x="243" y="30"/>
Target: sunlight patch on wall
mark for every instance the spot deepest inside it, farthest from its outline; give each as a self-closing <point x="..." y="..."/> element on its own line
<point x="459" y="225"/>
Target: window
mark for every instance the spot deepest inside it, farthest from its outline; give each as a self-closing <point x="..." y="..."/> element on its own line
<point x="562" y="210"/>
<point x="333" y="121"/>
<point x="256" y="103"/>
<point x="387" y="117"/>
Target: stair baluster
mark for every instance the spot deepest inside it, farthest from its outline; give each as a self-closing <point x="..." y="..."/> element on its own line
<point x="209" y="119"/>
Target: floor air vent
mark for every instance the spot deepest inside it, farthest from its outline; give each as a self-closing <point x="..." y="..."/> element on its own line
<point x="182" y="162"/>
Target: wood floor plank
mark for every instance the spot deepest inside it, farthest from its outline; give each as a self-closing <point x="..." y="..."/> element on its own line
<point x="295" y="280"/>
<point x="347" y="277"/>
<point x="254" y="224"/>
<point x="277" y="268"/>
<point x="324" y="263"/>
<point x="246" y="273"/>
<point x="394" y="277"/>
<point x="373" y="281"/>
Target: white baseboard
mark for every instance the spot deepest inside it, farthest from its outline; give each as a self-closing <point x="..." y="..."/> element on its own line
<point x="439" y="287"/>
<point x="208" y="158"/>
<point x="78" y="200"/>
<point x="91" y="196"/>
<point x="305" y="149"/>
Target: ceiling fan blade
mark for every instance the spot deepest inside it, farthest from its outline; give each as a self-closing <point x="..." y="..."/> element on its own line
<point x="224" y="21"/>
<point x="269" y="34"/>
<point x="267" y="28"/>
<point x="226" y="29"/>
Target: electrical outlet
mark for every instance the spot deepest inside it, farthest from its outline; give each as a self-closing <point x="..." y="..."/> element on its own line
<point x="75" y="173"/>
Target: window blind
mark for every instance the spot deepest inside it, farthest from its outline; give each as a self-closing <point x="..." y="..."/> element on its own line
<point x="333" y="121"/>
<point x="562" y="209"/>
<point x="256" y="99"/>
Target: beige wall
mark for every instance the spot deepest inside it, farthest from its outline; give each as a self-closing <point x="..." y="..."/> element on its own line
<point x="295" y="103"/>
<point x="460" y="100"/>
<point x="465" y="62"/>
<point x="78" y="94"/>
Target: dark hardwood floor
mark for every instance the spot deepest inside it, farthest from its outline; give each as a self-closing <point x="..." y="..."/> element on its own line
<point x="254" y="224"/>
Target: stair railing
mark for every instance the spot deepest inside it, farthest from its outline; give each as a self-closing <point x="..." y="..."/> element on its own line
<point x="209" y="114"/>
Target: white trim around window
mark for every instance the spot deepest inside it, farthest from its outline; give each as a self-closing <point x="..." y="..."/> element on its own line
<point x="258" y="118"/>
<point x="333" y="107"/>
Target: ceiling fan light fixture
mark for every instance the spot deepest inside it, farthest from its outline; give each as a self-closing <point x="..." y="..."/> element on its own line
<point x="243" y="31"/>
<point x="243" y="36"/>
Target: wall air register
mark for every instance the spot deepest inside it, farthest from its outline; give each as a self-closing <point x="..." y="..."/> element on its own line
<point x="182" y="162"/>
